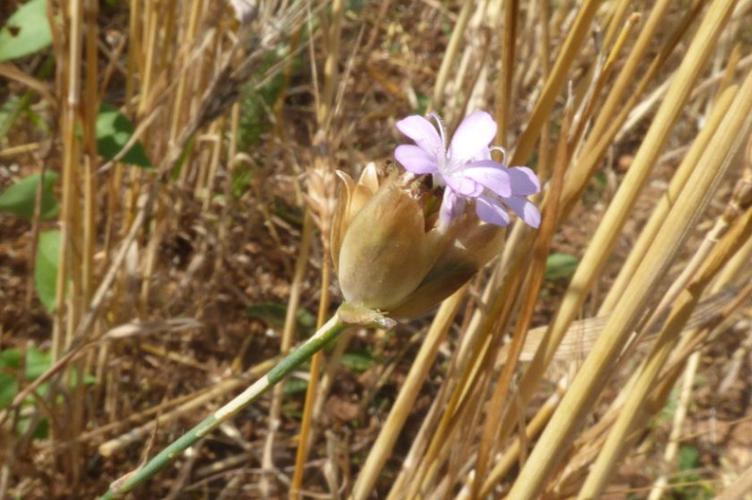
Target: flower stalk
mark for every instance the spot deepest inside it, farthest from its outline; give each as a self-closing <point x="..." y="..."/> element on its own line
<point x="345" y="316"/>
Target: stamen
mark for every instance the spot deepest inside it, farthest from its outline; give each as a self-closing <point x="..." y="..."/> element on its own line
<point x="503" y="154"/>
<point x="441" y="127"/>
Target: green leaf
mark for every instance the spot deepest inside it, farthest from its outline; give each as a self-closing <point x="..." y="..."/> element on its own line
<point x="86" y="379"/>
<point x="242" y="176"/>
<point x="423" y="101"/>
<point x="41" y="431"/>
<point x="8" y="388"/>
<point x="114" y="130"/>
<point x="37" y="362"/>
<point x="10" y="110"/>
<point x="294" y="386"/>
<point x="306" y="319"/>
<point x="689" y="458"/>
<point x="273" y="314"/>
<point x="358" y="361"/>
<point x="45" y="268"/>
<point x="560" y="266"/>
<point x="19" y="199"/>
<point x="257" y="101"/>
<point x="26" y="31"/>
<point x="10" y="358"/>
<point x="291" y="214"/>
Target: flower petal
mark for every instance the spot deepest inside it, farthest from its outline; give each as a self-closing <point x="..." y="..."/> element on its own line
<point x="463" y="185"/>
<point x="525" y="209"/>
<point x="423" y="133"/>
<point x="491" y="211"/>
<point x="472" y="137"/>
<point x="451" y="207"/>
<point x="492" y="175"/>
<point x="524" y="182"/>
<point x="415" y="159"/>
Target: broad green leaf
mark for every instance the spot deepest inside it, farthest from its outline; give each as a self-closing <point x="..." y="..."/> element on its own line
<point x="560" y="266"/>
<point x="37" y="362"/>
<point x="114" y="130"/>
<point x="19" y="199"/>
<point x="45" y="268"/>
<point x="10" y="358"/>
<point x="26" y="31"/>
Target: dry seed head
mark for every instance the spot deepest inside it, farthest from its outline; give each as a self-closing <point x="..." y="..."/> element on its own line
<point x="321" y="187"/>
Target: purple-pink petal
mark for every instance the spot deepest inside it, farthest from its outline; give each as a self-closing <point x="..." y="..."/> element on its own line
<point x="525" y="209"/>
<point x="416" y="159"/>
<point x="451" y="207"/>
<point x="491" y="175"/>
<point x="423" y="133"/>
<point x="490" y="211"/>
<point x="472" y="137"/>
<point x="523" y="181"/>
<point x="463" y="185"/>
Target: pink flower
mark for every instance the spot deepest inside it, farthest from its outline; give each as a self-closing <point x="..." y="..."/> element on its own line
<point x="466" y="171"/>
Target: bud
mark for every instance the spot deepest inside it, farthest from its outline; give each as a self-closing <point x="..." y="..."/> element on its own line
<point x="389" y="251"/>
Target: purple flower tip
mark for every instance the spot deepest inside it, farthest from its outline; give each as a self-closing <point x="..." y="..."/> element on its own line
<point x="466" y="171"/>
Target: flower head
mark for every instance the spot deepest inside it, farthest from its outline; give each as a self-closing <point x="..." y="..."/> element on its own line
<point x="466" y="171"/>
<point x="400" y="245"/>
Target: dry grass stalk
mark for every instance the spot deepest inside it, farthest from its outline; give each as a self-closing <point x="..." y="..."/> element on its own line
<point x="672" y="448"/>
<point x="286" y="343"/>
<point x="450" y="54"/>
<point x="555" y="82"/>
<point x="678" y="181"/>
<point x="719" y="154"/>
<point x="603" y="239"/>
<point x="534" y="281"/>
<point x="504" y="90"/>
<point x="528" y="380"/>
<point x="512" y="454"/>
<point x="382" y="447"/>
<point x="587" y="384"/>
<point x="321" y="185"/>
<point x="193" y="403"/>
<point x="595" y="147"/>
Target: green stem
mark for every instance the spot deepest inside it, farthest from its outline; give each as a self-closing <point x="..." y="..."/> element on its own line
<point x="318" y="340"/>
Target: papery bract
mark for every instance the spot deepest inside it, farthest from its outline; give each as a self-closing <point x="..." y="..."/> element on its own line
<point x="388" y="257"/>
